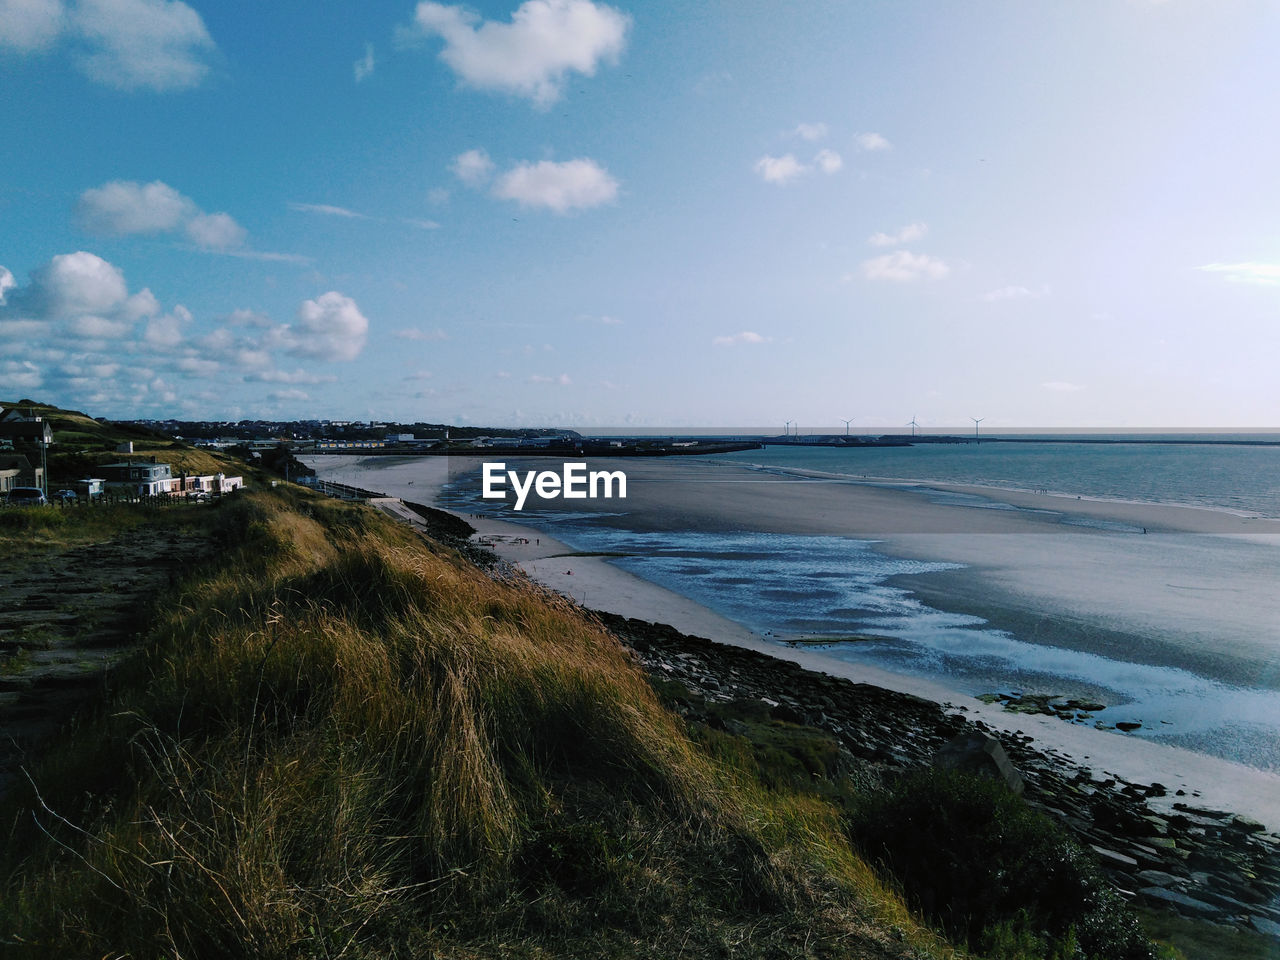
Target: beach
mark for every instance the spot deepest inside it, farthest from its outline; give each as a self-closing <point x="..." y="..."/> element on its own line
<point x="1187" y="598"/>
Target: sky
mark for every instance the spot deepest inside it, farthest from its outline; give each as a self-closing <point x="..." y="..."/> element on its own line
<point x="643" y="214"/>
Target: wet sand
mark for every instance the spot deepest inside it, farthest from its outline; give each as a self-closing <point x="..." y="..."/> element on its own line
<point x="1022" y="558"/>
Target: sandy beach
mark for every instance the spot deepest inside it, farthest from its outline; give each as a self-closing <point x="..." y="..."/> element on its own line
<point x="1193" y="574"/>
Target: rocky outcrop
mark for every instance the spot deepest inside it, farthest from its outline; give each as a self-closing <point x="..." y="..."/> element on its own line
<point x="1203" y="864"/>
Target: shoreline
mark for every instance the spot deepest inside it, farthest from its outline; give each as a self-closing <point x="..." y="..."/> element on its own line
<point x="595" y="583"/>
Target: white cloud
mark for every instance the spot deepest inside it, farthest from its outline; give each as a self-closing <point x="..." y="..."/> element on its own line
<point x="1249" y="272"/>
<point x="1062" y="386"/>
<point x="142" y="44"/>
<point x="328" y="210"/>
<point x="811" y="131"/>
<point x="780" y="170"/>
<point x="364" y="66"/>
<point x="27" y="26"/>
<point x="330" y="327"/>
<point x="903" y="266"/>
<point x="281" y="395"/>
<point x="571" y="185"/>
<point x="421" y="224"/>
<point x="413" y="333"/>
<point x="248" y="318"/>
<point x="828" y="161"/>
<point x="20" y="375"/>
<point x="125" y="207"/>
<point x="908" y="234"/>
<point x="871" y="142"/>
<point x="437" y="196"/>
<point x="1014" y="293"/>
<point x="215" y="231"/>
<point x="746" y="336"/>
<point x="474" y="168"/>
<point x="79" y="322"/>
<point x="532" y="55"/>
<point x="73" y="284"/>
<point x="169" y="330"/>
<point x="265" y="255"/>
<point x="92" y="327"/>
<point x="283" y="376"/>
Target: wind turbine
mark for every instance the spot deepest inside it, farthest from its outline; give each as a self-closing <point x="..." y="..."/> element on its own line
<point x="786" y="430"/>
<point x="912" y="424"/>
<point x="846" y="424"/>
<point x="976" y="421"/>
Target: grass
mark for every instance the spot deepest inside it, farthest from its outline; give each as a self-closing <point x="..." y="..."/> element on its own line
<point x="346" y="743"/>
<point x="1185" y="939"/>
<point x="30" y="531"/>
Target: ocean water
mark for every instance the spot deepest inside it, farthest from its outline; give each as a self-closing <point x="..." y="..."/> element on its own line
<point x="1243" y="479"/>
<point x="852" y="600"/>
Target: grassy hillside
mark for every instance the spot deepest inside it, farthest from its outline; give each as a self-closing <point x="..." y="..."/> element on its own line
<point x="341" y="741"/>
<point x="80" y="442"/>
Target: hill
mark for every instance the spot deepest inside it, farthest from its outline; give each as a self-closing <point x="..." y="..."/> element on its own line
<point x="335" y="737"/>
<point x="80" y="442"/>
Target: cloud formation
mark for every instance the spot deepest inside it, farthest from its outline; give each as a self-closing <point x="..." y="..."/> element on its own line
<point x="363" y="67"/>
<point x="154" y="45"/>
<point x="328" y="210"/>
<point x="780" y="170"/>
<point x="1249" y="272"/>
<point x="746" y="336"/>
<point x="330" y="327"/>
<point x="1014" y="293"/>
<point x="29" y="26"/>
<point x="903" y="266"/>
<point x="124" y="208"/>
<point x="786" y="168"/>
<point x="871" y="142"/>
<point x="561" y="187"/>
<point x="811" y="131"/>
<point x="532" y="55"/>
<point x="908" y="234"/>
<point x="474" y="168"/>
<point x="87" y="337"/>
<point x="413" y="333"/>
<point x="828" y="161"/>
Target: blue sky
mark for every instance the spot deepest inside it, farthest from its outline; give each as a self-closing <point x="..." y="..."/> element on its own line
<point x="585" y="214"/>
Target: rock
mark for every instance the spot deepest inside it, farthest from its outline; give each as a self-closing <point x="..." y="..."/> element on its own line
<point x="1113" y="858"/>
<point x="980" y="754"/>
<point x="1264" y="926"/>
<point x="1157" y="878"/>
<point x="1128" y="725"/>
<point x="1178" y="901"/>
<point x="1247" y="824"/>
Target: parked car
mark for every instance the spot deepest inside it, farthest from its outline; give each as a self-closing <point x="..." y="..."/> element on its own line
<point x="66" y="496"/>
<point x="25" y="497"/>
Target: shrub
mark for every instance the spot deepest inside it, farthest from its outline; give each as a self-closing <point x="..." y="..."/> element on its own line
<point x="993" y="872"/>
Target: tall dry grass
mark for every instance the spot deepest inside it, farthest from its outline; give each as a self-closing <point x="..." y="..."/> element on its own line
<point x="346" y="743"/>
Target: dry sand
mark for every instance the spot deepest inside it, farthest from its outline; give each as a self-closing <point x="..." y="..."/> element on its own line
<point x="1026" y="556"/>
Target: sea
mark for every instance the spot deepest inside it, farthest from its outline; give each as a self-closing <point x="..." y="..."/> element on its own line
<point x="853" y="600"/>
